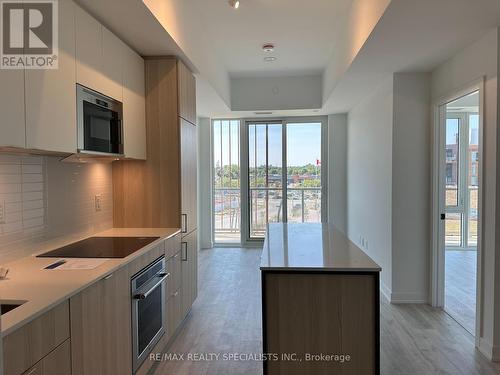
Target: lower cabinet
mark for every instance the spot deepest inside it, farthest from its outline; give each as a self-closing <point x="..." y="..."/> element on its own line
<point x="57" y="362"/>
<point x="35" y="341"/>
<point x="189" y="271"/>
<point x="101" y="327"/>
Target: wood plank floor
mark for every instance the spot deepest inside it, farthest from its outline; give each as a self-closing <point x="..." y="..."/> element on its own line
<point x="226" y="318"/>
<point x="460" y="287"/>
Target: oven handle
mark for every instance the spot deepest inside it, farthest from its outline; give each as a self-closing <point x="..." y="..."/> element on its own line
<point x="146" y="294"/>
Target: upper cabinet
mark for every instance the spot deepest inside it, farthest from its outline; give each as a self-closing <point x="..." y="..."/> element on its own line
<point x="187" y="93"/>
<point x="134" y="106"/>
<point x="39" y="106"/>
<point x="13" y="123"/>
<point x="99" y="56"/>
<point x="51" y="94"/>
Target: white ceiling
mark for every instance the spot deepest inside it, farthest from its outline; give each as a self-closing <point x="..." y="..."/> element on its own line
<point x="302" y="31"/>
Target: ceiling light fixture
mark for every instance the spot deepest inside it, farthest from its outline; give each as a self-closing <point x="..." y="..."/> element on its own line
<point x="269" y="58"/>
<point x="234" y="3"/>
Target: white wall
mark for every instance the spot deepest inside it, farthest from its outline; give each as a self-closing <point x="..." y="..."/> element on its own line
<point x="45" y="198"/>
<point x="411" y="146"/>
<point x="204" y="183"/>
<point x="276" y="93"/>
<point x="369" y="183"/>
<point x="337" y="171"/>
<point x="481" y="60"/>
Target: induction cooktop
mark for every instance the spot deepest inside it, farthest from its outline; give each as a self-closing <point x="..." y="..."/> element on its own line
<point x="100" y="247"/>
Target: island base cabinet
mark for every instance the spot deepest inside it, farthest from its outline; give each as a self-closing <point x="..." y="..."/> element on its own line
<point x="57" y="362"/>
<point x="101" y="335"/>
<point x="309" y="314"/>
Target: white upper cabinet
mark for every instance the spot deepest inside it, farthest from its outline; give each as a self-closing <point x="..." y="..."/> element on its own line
<point x="12" y="121"/>
<point x="134" y="106"/>
<point x="112" y="55"/>
<point x="98" y="56"/>
<point x="51" y="94"/>
<point x="88" y="48"/>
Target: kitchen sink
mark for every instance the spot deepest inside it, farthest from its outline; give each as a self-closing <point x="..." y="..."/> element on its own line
<point x="6" y="306"/>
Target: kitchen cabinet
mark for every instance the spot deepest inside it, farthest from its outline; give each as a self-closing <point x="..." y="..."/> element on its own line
<point x="101" y="327"/>
<point x="189" y="271"/>
<point x="27" y="345"/>
<point x="187" y="93"/>
<point x="13" y="128"/>
<point x="88" y="38"/>
<point x="98" y="56"/>
<point x="189" y="172"/>
<point x="134" y="106"/>
<point x="57" y="362"/>
<point x="51" y="94"/>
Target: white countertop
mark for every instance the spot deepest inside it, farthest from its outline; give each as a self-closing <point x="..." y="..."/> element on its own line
<point x="44" y="289"/>
<point x="314" y="247"/>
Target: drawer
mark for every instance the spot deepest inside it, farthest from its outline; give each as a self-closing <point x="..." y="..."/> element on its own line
<point x="172" y="246"/>
<point x="174" y="312"/>
<point x="174" y="267"/>
<point x="57" y="362"/>
<point x="30" y="343"/>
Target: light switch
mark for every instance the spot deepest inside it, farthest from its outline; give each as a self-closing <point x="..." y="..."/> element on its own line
<point x="97" y="201"/>
<point x="2" y="212"/>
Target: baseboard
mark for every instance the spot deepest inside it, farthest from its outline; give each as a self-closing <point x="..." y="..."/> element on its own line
<point x="400" y="298"/>
<point x="485" y="348"/>
<point x="386" y="292"/>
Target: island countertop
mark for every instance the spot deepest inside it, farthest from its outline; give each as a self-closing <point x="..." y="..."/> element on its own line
<point x="312" y="247"/>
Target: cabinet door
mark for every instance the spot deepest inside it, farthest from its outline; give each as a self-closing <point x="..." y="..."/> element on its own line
<point x="189" y="147"/>
<point x="189" y="271"/>
<point x="187" y="93"/>
<point x="51" y="94"/>
<point x="88" y="36"/>
<point x="174" y="312"/>
<point x="134" y="106"/>
<point x="112" y="65"/>
<point x="13" y="125"/>
<point x="101" y="337"/>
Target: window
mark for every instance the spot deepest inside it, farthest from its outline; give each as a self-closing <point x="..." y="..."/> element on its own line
<point x="226" y="181"/>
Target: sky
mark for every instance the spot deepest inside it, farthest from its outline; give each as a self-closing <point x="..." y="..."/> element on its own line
<point x="452" y="129"/>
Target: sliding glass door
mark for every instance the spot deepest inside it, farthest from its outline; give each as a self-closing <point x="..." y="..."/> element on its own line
<point x="284" y="173"/>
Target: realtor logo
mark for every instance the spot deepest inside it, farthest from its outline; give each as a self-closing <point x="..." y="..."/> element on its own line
<point x="29" y="34"/>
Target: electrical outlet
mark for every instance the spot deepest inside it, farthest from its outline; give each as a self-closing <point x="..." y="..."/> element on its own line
<point x="97" y="202"/>
<point x="2" y="212"/>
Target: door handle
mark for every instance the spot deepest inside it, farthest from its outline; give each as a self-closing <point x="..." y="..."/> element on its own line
<point x="184" y="247"/>
<point x="184" y="223"/>
<point x="443" y="216"/>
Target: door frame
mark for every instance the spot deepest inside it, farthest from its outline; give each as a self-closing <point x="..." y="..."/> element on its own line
<point x="437" y="274"/>
<point x="244" y="183"/>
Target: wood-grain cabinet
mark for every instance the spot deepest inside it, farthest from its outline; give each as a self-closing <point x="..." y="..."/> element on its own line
<point x="40" y="345"/>
<point x="39" y="106"/>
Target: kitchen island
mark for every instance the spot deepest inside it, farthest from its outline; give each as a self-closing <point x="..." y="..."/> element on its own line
<point x="320" y="302"/>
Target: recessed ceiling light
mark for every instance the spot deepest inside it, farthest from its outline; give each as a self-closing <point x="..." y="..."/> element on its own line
<point x="234" y="3"/>
<point x="269" y="58"/>
<point x="268" y="47"/>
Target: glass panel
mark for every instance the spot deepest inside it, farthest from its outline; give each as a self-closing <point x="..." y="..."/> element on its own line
<point x="472" y="178"/>
<point x="303" y="172"/>
<point x="149" y="318"/>
<point x="453" y="230"/>
<point x="265" y="176"/>
<point x="227" y="202"/>
<point x="452" y="161"/>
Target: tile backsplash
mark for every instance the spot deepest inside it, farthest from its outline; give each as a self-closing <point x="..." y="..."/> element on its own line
<point x="43" y="198"/>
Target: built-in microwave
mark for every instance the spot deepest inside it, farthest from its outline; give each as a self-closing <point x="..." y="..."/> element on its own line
<point x="99" y="122"/>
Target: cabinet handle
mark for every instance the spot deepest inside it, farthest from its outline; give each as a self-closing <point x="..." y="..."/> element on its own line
<point x="175" y="294"/>
<point x="184" y="247"/>
<point x="184" y="223"/>
<point x="31" y="372"/>
<point x="108" y="277"/>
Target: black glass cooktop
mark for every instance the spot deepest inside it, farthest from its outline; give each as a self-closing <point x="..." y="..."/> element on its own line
<point x="100" y="247"/>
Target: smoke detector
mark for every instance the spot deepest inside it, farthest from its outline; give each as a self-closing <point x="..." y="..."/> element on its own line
<point x="268" y="47"/>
